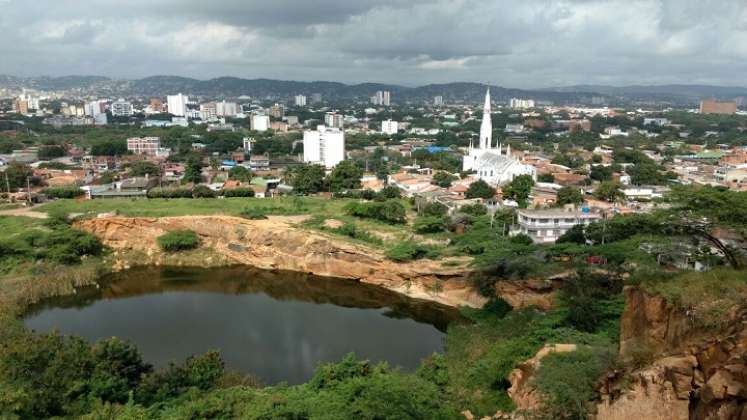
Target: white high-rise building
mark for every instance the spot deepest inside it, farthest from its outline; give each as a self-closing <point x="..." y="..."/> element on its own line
<point x="333" y="119"/>
<point x="438" y="101"/>
<point x="260" y="123"/>
<point x="389" y="127"/>
<point x="300" y="100"/>
<point x="121" y="108"/>
<point x="94" y="108"/>
<point x="226" y="109"/>
<point x="492" y="164"/>
<point x="324" y="146"/>
<point x="382" y="97"/>
<point x="521" y="103"/>
<point x="177" y="104"/>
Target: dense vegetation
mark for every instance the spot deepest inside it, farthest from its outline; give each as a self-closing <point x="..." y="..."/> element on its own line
<point x="111" y="378"/>
<point x="178" y="240"/>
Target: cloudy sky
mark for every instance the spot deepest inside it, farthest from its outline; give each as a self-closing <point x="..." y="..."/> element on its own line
<point x="513" y="43"/>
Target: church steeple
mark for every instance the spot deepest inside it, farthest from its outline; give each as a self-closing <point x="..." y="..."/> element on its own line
<point x="486" y="129"/>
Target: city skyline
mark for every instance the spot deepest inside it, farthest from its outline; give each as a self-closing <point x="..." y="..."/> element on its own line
<point x="531" y="44"/>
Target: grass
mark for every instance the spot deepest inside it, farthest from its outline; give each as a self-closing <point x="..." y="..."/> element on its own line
<point x="197" y="207"/>
<point x="709" y="296"/>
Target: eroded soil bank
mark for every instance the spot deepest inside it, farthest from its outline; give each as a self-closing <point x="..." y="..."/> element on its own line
<point x="277" y="243"/>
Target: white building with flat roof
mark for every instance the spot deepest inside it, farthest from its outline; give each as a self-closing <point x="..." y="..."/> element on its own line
<point x="226" y="109"/>
<point x="144" y="145"/>
<point x="121" y="108"/>
<point x="389" y="127"/>
<point x="324" y="146"/>
<point x="546" y="226"/>
<point x="521" y="103"/>
<point x="260" y="123"/>
<point x="300" y="100"/>
<point x="177" y="104"/>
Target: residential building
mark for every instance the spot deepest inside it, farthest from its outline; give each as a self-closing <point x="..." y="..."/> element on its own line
<point x="226" y="109"/>
<point x="546" y="226"/>
<point x="177" y="104"/>
<point x="316" y="98"/>
<point x="661" y="122"/>
<point x="209" y="111"/>
<point x="300" y="100"/>
<point x="515" y="128"/>
<point x="121" y="108"/>
<point x="277" y="111"/>
<point x="144" y="145"/>
<point x="324" y="146"/>
<point x="438" y="101"/>
<point x="517" y="103"/>
<point x="389" y="127"/>
<point x="260" y="123"/>
<point x="248" y="144"/>
<point x="712" y="106"/>
<point x="333" y="119"/>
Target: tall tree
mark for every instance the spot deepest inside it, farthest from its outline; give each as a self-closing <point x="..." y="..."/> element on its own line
<point x="193" y="172"/>
<point x="569" y="195"/>
<point x="519" y="189"/>
<point x="480" y="189"/>
<point x="307" y="179"/>
<point x="345" y="176"/>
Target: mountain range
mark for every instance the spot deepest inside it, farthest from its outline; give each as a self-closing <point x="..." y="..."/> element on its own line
<point x="232" y="87"/>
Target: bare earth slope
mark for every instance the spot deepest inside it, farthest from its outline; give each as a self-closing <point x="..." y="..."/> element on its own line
<point x="277" y="244"/>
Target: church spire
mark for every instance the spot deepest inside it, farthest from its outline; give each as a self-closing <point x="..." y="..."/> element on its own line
<point x="486" y="129"/>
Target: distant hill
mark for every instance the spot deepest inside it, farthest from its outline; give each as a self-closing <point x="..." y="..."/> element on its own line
<point x="231" y="87"/>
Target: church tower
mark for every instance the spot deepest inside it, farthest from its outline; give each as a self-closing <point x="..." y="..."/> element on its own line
<point x="486" y="129"/>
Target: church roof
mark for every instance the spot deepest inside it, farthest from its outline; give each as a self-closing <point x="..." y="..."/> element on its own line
<point x="495" y="161"/>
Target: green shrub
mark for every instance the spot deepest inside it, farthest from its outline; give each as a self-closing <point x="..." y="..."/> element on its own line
<point x="253" y="213"/>
<point x="202" y="191"/>
<point x="63" y="192"/>
<point x="474" y="209"/>
<point x="352" y="231"/>
<point x="429" y="224"/>
<point x="238" y="192"/>
<point x="568" y="380"/>
<point x="409" y="250"/>
<point x="170" y="193"/>
<point x="390" y="211"/>
<point x="434" y="209"/>
<point x="178" y="240"/>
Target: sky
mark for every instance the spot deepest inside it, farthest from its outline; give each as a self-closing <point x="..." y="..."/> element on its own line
<point x="512" y="43"/>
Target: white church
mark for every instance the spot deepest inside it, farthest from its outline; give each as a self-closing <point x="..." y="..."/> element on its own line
<point x="489" y="163"/>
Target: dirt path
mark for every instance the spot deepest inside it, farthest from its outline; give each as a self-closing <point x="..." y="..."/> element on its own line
<point x="24" y="211"/>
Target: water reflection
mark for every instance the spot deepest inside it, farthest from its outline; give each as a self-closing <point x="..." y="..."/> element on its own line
<point x="277" y="325"/>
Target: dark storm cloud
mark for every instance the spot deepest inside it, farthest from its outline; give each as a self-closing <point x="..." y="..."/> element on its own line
<point x="524" y="43"/>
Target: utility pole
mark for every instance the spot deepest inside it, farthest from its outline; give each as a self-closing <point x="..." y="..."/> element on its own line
<point x="28" y="188"/>
<point x="7" y="184"/>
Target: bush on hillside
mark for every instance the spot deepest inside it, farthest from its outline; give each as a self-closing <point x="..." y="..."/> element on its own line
<point x="202" y="191"/>
<point x="390" y="211"/>
<point x="429" y="224"/>
<point x="63" y="192"/>
<point x="253" y="213"/>
<point x="170" y="193"/>
<point x="238" y="192"/>
<point x="409" y="251"/>
<point x="178" y="240"/>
